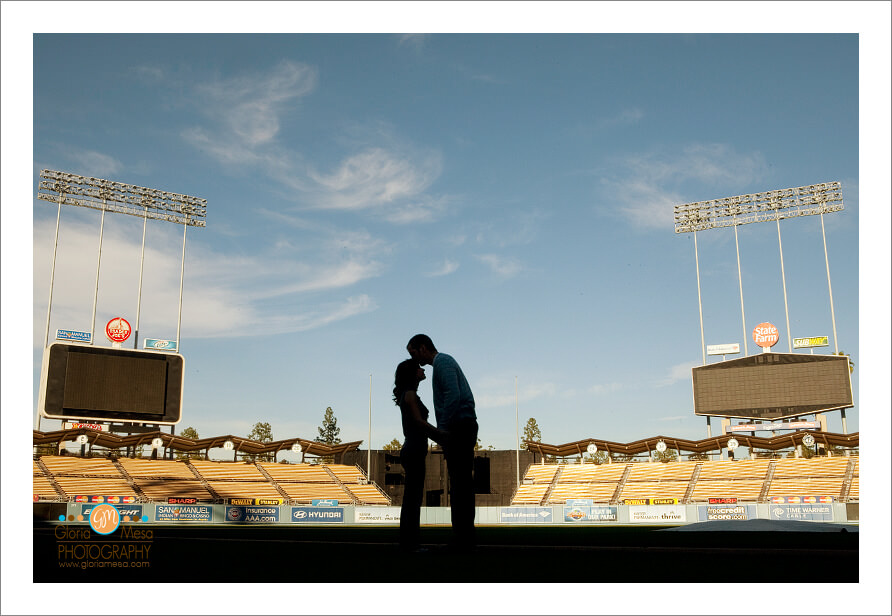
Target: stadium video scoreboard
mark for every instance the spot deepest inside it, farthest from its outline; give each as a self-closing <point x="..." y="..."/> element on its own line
<point x="105" y="384"/>
<point x="772" y="386"/>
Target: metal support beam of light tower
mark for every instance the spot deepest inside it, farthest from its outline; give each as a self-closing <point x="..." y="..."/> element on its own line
<point x="772" y="205"/>
<point x="61" y="188"/>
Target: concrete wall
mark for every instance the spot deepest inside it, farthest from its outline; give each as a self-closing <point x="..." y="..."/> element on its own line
<point x="496" y="475"/>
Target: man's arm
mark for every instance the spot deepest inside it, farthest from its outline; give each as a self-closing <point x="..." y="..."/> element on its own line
<point x="446" y="376"/>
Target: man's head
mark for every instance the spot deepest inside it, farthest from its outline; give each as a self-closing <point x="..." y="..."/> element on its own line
<point x="422" y="349"/>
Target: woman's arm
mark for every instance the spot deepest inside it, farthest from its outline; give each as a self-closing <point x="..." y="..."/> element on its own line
<point x="413" y="406"/>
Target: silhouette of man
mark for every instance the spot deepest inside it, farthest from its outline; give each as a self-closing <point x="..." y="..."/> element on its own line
<point x="454" y="410"/>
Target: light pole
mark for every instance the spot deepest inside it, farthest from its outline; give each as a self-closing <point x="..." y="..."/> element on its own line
<point x="517" y="425"/>
<point x="63" y="188"/>
<point x="814" y="199"/>
<point x="110" y="196"/>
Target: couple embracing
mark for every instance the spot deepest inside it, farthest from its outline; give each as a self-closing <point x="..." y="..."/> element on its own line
<point x="456" y="432"/>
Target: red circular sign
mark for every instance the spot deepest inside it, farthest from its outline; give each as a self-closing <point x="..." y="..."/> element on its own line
<point x="118" y="329"/>
<point x="765" y="335"/>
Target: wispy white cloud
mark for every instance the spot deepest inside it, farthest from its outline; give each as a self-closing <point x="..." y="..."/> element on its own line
<point x="375" y="177"/>
<point x="521" y="228"/>
<point x="379" y="174"/>
<point x="646" y="187"/>
<point x="413" y="41"/>
<point x="249" y="106"/>
<point x="498" y="391"/>
<point x="677" y="373"/>
<point x="148" y="73"/>
<point x="501" y="266"/>
<point x="605" y="388"/>
<point x="90" y="162"/>
<point x="224" y="295"/>
<point x="447" y="267"/>
<point x="627" y="117"/>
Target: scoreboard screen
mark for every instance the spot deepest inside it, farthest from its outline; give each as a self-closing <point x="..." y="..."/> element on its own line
<point x="773" y="386"/>
<point x="86" y="382"/>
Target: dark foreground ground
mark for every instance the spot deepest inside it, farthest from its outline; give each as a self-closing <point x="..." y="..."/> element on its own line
<point x="517" y="554"/>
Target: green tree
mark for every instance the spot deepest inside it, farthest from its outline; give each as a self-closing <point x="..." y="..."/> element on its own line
<point x="478" y="446"/>
<point x="192" y="433"/>
<point x="698" y="456"/>
<point x="393" y="445"/>
<point x="600" y="457"/>
<point x="670" y="455"/>
<point x="329" y="431"/>
<point x="262" y="432"/>
<point x="328" y="434"/>
<point x="531" y="432"/>
<point x="621" y="457"/>
<point x="189" y="432"/>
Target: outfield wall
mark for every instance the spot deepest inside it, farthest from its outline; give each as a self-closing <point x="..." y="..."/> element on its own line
<point x="577" y="513"/>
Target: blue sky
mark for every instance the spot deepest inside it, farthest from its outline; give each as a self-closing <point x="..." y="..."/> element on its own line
<point x="511" y="195"/>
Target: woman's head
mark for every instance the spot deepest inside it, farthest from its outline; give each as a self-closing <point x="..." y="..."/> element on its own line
<point x="408" y="375"/>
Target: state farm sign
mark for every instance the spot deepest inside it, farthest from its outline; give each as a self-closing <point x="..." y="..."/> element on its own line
<point x="118" y="329"/>
<point x="765" y="335"/>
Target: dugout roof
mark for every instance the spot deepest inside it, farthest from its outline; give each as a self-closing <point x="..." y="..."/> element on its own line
<point x="713" y="443"/>
<point x="112" y="440"/>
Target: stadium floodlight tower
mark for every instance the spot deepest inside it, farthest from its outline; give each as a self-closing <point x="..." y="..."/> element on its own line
<point x="814" y="199"/>
<point x="64" y="188"/>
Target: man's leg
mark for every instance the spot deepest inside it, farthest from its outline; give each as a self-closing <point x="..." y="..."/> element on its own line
<point x="460" y="465"/>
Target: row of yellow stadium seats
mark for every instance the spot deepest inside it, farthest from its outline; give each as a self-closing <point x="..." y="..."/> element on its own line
<point x="176" y="469"/>
<point x="679" y="471"/>
<point x="161" y="490"/>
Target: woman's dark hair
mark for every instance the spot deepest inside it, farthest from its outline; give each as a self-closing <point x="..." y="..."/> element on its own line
<point x="406" y="377"/>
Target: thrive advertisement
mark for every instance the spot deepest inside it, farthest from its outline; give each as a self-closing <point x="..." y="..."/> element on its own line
<point x="657" y="514"/>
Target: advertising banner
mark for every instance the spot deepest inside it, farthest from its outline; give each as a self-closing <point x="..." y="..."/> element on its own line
<point x="710" y="513"/>
<point x="377" y="515"/>
<point x="590" y="513"/>
<point x="313" y="515"/>
<point x="128" y="513"/>
<point x="810" y="513"/>
<point x="74" y="335"/>
<point x="723" y="349"/>
<point x="159" y="345"/>
<point x="242" y="502"/>
<point x="525" y="515"/>
<point x="579" y="502"/>
<point x="325" y="502"/>
<point x="657" y="514"/>
<point x="184" y="513"/>
<point x="263" y="515"/>
<point x="799" y="500"/>
<point x="69" y="425"/>
<point x="813" y="341"/>
<point x="777" y="425"/>
<point x="111" y="500"/>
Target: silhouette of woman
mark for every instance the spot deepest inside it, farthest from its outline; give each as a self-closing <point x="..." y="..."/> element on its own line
<point x="416" y="430"/>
